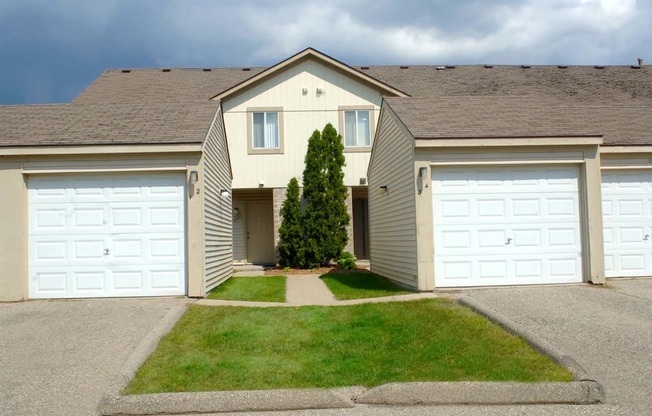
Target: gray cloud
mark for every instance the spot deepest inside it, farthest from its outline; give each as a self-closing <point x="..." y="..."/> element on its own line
<point x="49" y="51"/>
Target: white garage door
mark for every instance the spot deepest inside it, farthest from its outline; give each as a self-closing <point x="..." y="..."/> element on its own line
<point x="627" y="220"/>
<point x="106" y="236"/>
<point x="506" y="226"/>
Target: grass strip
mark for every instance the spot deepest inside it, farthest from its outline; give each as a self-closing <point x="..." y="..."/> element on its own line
<point x="237" y="348"/>
<point x="360" y="285"/>
<point x="254" y="289"/>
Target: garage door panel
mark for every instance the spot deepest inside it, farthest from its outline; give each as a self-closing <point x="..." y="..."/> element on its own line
<point x="114" y="235"/>
<point x="506" y="226"/>
<point x="627" y="221"/>
<point x="490" y="270"/>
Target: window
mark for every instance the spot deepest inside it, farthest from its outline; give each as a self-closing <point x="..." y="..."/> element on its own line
<point x="357" y="128"/>
<point x="265" y="130"/>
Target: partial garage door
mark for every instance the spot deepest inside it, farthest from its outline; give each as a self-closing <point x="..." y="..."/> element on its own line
<point x="506" y="226"/>
<point x="106" y="236"/>
<point x="627" y="220"/>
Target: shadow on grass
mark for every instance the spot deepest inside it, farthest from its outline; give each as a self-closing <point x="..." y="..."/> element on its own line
<point x="360" y="284"/>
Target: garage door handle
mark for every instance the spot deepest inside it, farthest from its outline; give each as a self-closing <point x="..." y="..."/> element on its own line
<point x="647" y="237"/>
<point x="107" y="251"/>
<point x="509" y="241"/>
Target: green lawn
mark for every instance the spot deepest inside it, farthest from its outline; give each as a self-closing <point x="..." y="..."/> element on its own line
<point x="360" y="285"/>
<point x="256" y="289"/>
<point x="234" y="348"/>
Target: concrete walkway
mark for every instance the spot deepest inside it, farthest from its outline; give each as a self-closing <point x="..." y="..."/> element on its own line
<point x="309" y="289"/>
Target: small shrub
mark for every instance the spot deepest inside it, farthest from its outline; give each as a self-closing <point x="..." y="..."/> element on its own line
<point x="346" y="261"/>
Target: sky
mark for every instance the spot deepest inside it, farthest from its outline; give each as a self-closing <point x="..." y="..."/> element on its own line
<point x="50" y="50"/>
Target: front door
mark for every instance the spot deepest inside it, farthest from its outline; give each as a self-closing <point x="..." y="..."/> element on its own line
<point x="260" y="233"/>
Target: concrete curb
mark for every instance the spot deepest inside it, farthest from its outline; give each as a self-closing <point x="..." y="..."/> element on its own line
<point x="482" y="393"/>
<point x="229" y="401"/>
<point x="534" y="340"/>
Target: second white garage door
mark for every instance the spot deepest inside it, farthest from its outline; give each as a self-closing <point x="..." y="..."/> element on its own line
<point x="627" y="218"/>
<point x="106" y="236"/>
<point x="506" y="226"/>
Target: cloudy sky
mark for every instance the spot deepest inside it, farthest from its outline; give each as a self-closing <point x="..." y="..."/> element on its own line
<point x="51" y="49"/>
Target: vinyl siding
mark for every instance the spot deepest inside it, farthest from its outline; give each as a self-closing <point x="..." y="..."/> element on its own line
<point x="218" y="248"/>
<point x="392" y="217"/>
<point x="302" y="114"/>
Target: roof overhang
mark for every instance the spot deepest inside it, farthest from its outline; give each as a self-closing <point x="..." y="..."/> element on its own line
<point x="626" y="149"/>
<point x="507" y="141"/>
<point x="302" y="56"/>
<point x="99" y="149"/>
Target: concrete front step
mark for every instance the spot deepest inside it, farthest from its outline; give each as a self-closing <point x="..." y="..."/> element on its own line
<point x="249" y="268"/>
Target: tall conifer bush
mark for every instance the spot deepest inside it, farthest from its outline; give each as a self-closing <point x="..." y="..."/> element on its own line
<point x="325" y="216"/>
<point x="290" y="246"/>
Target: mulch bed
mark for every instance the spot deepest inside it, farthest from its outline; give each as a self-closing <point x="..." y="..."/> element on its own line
<point x="278" y="271"/>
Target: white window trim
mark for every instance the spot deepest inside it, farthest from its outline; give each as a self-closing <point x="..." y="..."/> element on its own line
<point x="250" y="131"/>
<point x="372" y="127"/>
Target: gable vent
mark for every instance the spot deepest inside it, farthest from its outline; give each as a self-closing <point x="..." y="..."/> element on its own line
<point x="126" y="71"/>
<point x="206" y="70"/>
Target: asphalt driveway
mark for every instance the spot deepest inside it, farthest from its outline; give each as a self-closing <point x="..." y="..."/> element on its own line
<point x="59" y="357"/>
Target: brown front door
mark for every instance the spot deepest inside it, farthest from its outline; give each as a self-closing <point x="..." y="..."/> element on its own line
<point x="260" y="233"/>
<point x="361" y="228"/>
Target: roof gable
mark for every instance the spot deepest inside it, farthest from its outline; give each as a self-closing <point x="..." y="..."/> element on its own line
<point x="310" y="54"/>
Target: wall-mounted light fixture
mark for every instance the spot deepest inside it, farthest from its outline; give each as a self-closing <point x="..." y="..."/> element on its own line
<point x="383" y="189"/>
<point x="363" y="181"/>
<point x="320" y="91"/>
<point x="261" y="183"/>
<point x="236" y="214"/>
<point x="224" y="193"/>
<point x="423" y="171"/>
<point x="194" y="177"/>
<point x="304" y="91"/>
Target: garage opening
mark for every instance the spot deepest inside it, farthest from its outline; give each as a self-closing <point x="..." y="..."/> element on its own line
<point x="506" y="226"/>
<point x="114" y="235"/>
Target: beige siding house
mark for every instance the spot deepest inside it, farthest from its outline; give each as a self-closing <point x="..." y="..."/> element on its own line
<point x="154" y="182"/>
<point x="269" y="119"/>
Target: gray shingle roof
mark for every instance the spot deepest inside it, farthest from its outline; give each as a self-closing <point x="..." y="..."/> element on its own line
<point x="94" y="124"/>
<point x="493" y="117"/>
<point x="154" y="85"/>
<point x="576" y="83"/>
<point x="580" y="83"/>
<point x="172" y="106"/>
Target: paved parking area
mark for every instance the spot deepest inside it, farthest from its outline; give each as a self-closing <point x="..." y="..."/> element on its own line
<point x="59" y="357"/>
